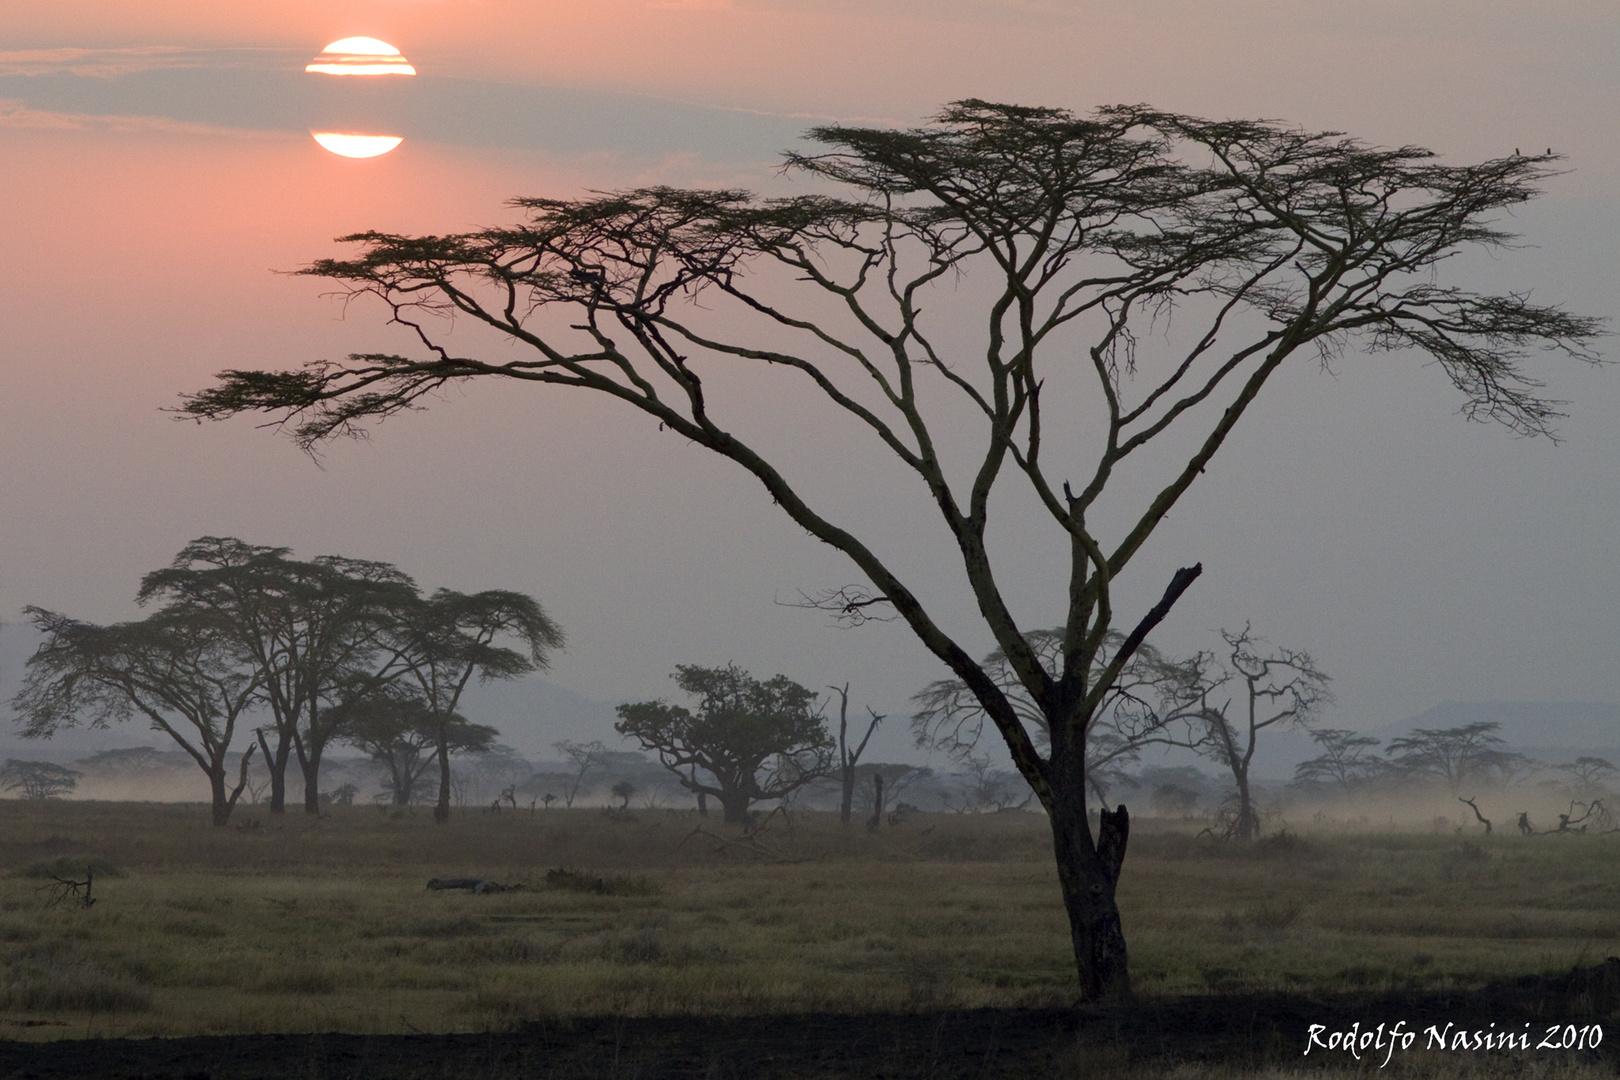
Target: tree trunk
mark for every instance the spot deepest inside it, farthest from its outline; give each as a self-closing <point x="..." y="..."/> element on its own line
<point x="311" y="769"/>
<point x="441" y="809"/>
<point x="222" y="802"/>
<point x="1087" y="874"/>
<point x="277" y="764"/>
<point x="846" y="808"/>
<point x="703" y="804"/>
<point x="735" y="805"/>
<point x="1248" y="824"/>
<point x="877" y="801"/>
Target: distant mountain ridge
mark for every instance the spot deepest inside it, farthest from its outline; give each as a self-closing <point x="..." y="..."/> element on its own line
<point x="1537" y="728"/>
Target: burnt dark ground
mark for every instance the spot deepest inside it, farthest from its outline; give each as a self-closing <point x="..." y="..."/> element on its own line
<point x="1231" y="1029"/>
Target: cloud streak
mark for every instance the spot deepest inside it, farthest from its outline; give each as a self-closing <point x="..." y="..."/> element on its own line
<point x="174" y="86"/>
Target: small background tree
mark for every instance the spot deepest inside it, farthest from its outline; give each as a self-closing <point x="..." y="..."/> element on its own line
<point x="1281" y="688"/>
<point x="746" y="741"/>
<point x="38" y="779"/>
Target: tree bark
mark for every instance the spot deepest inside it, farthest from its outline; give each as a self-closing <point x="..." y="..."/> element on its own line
<point x="1248" y="823"/>
<point x="1088" y="874"/>
<point x="277" y="764"/>
<point x="441" y="809"/>
<point x="735" y="805"/>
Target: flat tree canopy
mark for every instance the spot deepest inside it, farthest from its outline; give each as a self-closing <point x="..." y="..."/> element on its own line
<point x="1137" y="277"/>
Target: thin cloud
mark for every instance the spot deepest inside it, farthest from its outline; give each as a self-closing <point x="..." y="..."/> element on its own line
<point x="14" y="115"/>
<point x="112" y="63"/>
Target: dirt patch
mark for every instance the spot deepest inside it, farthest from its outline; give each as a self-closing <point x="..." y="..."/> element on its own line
<point x="1231" y="1030"/>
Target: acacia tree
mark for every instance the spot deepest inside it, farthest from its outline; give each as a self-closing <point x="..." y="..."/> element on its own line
<point x="755" y="741"/>
<point x="583" y="756"/>
<point x="402" y="734"/>
<point x="1153" y="701"/>
<point x="1345" y="762"/>
<point x="38" y="780"/>
<point x="175" y="669"/>
<point x="1282" y="688"/>
<point x="1453" y="755"/>
<point x="447" y="639"/>
<point x="312" y="630"/>
<point x="1075" y="237"/>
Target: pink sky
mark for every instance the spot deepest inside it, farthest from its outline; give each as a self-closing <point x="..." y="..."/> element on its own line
<point x="1419" y="558"/>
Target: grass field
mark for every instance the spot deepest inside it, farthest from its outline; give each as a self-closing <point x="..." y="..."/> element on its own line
<point x="300" y="924"/>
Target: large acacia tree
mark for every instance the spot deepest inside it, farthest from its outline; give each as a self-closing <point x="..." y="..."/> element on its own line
<point x="313" y="629"/>
<point x="175" y="669"/>
<point x="1072" y="239"/>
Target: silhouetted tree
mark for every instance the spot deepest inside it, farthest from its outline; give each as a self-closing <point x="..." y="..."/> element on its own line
<point x="1282" y="688"/>
<point x="1153" y="701"/>
<point x="1453" y="756"/>
<point x="1072" y="238"/>
<point x="38" y="779"/>
<point x="403" y="735"/>
<point x="176" y="669"/>
<point x="755" y="741"/>
<point x="848" y="757"/>
<point x="1590" y="777"/>
<point x="447" y="639"/>
<point x="583" y="756"/>
<point x="1346" y="761"/>
<point x="311" y="630"/>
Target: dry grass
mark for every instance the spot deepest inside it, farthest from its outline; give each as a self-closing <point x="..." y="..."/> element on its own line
<point x="307" y="925"/>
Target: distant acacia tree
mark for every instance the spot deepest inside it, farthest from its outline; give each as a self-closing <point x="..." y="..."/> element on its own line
<point x="1280" y="688"/>
<point x="1453" y="756"/>
<point x="1589" y="776"/>
<point x="38" y="779"/>
<point x="176" y="669"/>
<point x="746" y="741"/>
<point x="1346" y="761"/>
<point x="1070" y="240"/>
<point x="399" y="732"/>
<point x="582" y="757"/>
<point x="443" y="642"/>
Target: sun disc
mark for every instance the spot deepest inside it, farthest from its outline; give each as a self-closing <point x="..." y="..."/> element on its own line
<point x="353" y="145"/>
<point x="367" y="46"/>
<point x="360" y="56"/>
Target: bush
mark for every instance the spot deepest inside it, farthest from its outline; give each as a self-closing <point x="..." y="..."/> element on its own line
<point x="611" y="885"/>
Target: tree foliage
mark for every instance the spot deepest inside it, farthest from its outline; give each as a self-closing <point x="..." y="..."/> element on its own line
<point x="38" y="780"/>
<point x="174" y="669"/>
<point x="1073" y="240"/>
<point x="746" y="741"/>
<point x="1453" y="756"/>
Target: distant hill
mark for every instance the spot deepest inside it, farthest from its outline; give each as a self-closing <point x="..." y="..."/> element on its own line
<point x="530" y="713"/>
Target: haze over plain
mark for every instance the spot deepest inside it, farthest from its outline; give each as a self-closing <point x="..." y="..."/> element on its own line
<point x="155" y="167"/>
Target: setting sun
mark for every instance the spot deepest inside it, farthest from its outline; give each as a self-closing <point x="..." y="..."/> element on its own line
<point x="360" y="56"/>
<point x="352" y="145"/>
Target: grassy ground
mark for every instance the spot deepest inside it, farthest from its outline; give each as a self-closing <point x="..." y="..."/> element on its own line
<point x="324" y="924"/>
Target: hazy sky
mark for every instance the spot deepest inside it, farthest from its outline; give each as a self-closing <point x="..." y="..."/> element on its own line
<point x="155" y="168"/>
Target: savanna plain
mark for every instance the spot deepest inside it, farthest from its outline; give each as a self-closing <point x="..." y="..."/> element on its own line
<point x="282" y="925"/>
